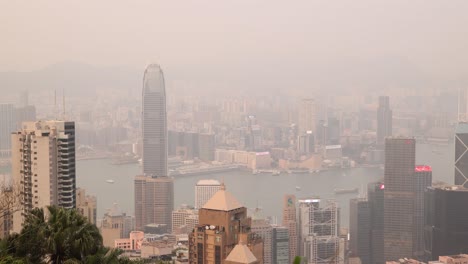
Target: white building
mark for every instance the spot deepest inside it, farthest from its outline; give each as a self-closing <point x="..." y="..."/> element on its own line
<point x="204" y="190"/>
<point x="180" y="219"/>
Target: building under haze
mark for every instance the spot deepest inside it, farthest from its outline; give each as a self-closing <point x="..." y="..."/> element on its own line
<point x="43" y="165"/>
<point x="375" y="198"/>
<point x="461" y="154"/>
<point x="422" y="179"/>
<point x="308" y="116"/>
<point x="400" y="154"/>
<point x="154" y="201"/>
<point x="360" y="230"/>
<point x="204" y="190"/>
<point x="290" y="222"/>
<point x="319" y="227"/>
<point x="7" y="126"/>
<point x="446" y="223"/>
<point x="86" y="205"/>
<point x="384" y="119"/>
<point x="154" y="122"/>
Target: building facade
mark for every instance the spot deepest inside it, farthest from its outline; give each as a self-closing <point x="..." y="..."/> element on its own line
<point x="446" y="224"/>
<point x="204" y="190"/>
<point x="154" y="122"/>
<point x="384" y="119"/>
<point x="461" y="154"/>
<point x="360" y="229"/>
<point x="43" y="165"/>
<point x="264" y="229"/>
<point x="290" y="222"/>
<point x="422" y="180"/>
<point x="319" y="231"/>
<point x="308" y="116"/>
<point x="375" y="197"/>
<point x="399" y="197"/>
<point x="8" y="125"/>
<point x="280" y="245"/>
<point x="180" y="222"/>
<point x="154" y="201"/>
<point x="86" y="205"/>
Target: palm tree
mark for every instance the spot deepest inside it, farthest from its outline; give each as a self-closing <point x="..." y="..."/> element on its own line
<point x="57" y="236"/>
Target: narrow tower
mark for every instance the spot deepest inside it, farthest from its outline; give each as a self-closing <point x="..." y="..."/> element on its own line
<point x="154" y="123"/>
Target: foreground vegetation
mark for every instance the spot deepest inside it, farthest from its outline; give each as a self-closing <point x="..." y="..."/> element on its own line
<point x="55" y="236"/>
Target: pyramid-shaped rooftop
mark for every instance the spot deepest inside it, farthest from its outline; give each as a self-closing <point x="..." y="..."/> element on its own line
<point x="241" y="254"/>
<point x="222" y="200"/>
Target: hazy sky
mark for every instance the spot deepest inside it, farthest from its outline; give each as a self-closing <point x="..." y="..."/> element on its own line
<point x="231" y="35"/>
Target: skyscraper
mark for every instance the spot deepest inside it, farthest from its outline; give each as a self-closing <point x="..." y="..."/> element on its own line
<point x="290" y="222"/>
<point x="264" y="229"/>
<point x="280" y="245"/>
<point x="154" y="191"/>
<point x="384" y="119"/>
<point x="422" y="180"/>
<point x="308" y="116"/>
<point x="204" y="190"/>
<point x="359" y="229"/>
<point x="461" y="154"/>
<point x="43" y="165"/>
<point x="154" y="201"/>
<point x="375" y="197"/>
<point x="7" y="126"/>
<point x="319" y="231"/>
<point x="154" y="123"/>
<point x="446" y="230"/>
<point x="399" y="197"/>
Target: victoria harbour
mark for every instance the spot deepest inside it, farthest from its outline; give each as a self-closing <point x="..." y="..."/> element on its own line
<point x="263" y="191"/>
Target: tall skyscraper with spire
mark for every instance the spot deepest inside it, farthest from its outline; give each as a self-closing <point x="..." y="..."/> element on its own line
<point x="154" y="191"/>
<point x="154" y="122"/>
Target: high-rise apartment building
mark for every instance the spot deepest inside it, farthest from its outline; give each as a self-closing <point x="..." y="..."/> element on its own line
<point x="422" y="179"/>
<point x="306" y="143"/>
<point x="204" y="190"/>
<point x="446" y="224"/>
<point x="154" y="122"/>
<point x="290" y="222"/>
<point x="384" y="119"/>
<point x="399" y="197"/>
<point x="375" y="197"/>
<point x="7" y="126"/>
<point x="43" y="165"/>
<point x="461" y="154"/>
<point x="359" y="229"/>
<point x="223" y="224"/>
<point x="86" y="205"/>
<point x="319" y="232"/>
<point x="263" y="228"/>
<point x="154" y="201"/>
<point x="280" y="245"/>
<point x="180" y="217"/>
<point x="308" y="116"/>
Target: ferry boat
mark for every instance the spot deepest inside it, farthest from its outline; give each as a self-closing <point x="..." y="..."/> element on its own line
<point x="343" y="191"/>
